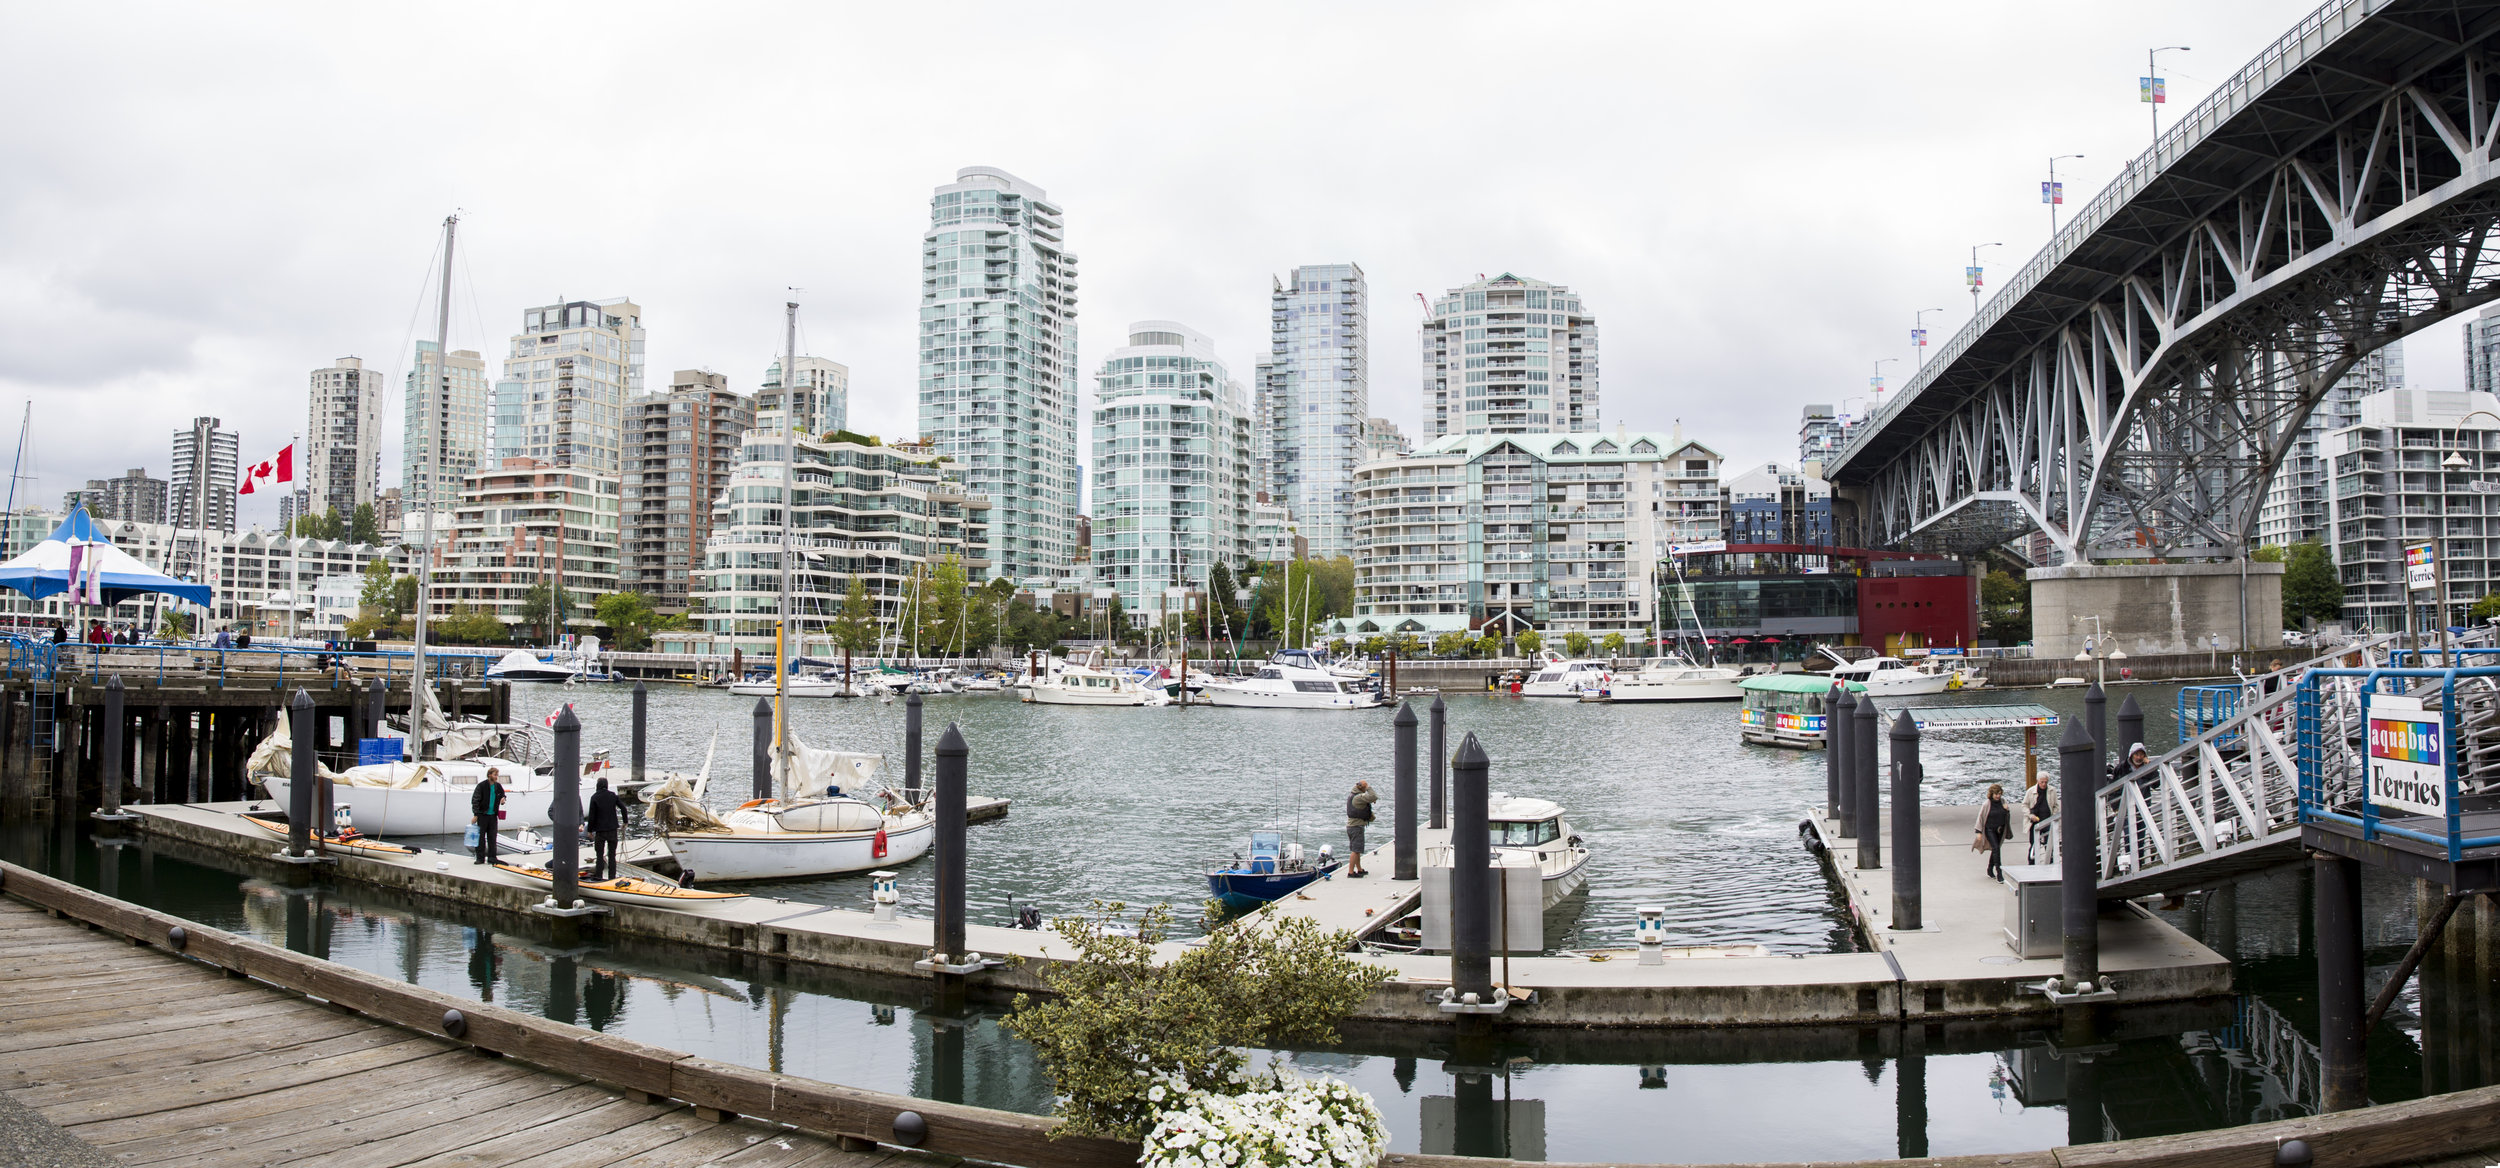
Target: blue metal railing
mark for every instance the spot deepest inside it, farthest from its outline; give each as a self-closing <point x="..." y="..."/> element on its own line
<point x="2200" y="708"/>
<point x="2338" y="798"/>
<point x="39" y="657"/>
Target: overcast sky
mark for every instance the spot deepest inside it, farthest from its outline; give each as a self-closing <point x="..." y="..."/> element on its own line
<point x="199" y="204"/>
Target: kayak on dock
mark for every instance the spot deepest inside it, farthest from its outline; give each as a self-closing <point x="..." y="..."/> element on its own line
<point x="642" y="888"/>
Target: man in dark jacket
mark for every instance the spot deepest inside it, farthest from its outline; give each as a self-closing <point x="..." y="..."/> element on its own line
<point x="1358" y="815"/>
<point x="486" y="811"/>
<point x="607" y="817"/>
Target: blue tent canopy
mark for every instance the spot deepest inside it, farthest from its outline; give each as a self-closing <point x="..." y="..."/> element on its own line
<point x="43" y="570"/>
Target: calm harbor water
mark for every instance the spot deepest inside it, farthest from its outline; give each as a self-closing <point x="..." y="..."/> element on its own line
<point x="1129" y="803"/>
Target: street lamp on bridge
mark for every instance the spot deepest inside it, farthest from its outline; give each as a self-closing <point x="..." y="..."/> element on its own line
<point x="1973" y="275"/>
<point x="2053" y="194"/>
<point x="1918" y="333"/>
<point x="2151" y="91"/>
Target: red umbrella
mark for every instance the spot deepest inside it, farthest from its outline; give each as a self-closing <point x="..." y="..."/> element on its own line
<point x="1740" y="641"/>
<point x="1769" y="640"/>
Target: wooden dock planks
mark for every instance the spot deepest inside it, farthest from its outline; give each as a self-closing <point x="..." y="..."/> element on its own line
<point x="156" y="1060"/>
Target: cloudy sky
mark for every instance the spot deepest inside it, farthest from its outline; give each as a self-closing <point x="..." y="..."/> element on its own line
<point x="199" y="204"/>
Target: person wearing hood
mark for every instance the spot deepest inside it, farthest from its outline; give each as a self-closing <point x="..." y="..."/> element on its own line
<point x="2136" y="760"/>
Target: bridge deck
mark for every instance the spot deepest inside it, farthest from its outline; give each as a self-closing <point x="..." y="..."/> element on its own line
<point x="146" y="1058"/>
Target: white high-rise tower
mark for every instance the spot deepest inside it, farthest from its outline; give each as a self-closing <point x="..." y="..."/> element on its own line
<point x="1172" y="467"/>
<point x="1509" y="355"/>
<point x="1316" y="399"/>
<point x="998" y="380"/>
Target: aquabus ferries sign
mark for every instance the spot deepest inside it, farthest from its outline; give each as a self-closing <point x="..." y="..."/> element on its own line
<point x="2408" y="756"/>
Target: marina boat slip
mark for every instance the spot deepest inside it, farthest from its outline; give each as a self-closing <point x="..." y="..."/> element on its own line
<point x="1672" y="679"/>
<point x="1530" y="831"/>
<point x="1785" y="709"/>
<point x="1565" y="679"/>
<point x="836" y="818"/>
<point x="1083" y="682"/>
<point x="1294" y="679"/>
<point x="1274" y="870"/>
<point x="1891" y="677"/>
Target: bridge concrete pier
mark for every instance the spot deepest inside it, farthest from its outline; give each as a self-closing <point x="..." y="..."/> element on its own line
<point x="2155" y="608"/>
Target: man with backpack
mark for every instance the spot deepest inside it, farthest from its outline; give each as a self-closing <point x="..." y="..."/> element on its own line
<point x="1358" y="815"/>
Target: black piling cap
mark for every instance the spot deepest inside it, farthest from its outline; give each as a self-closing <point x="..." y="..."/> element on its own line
<point x="763" y="707"/>
<point x="1903" y="727"/>
<point x="1846" y="700"/>
<point x="115" y="682"/>
<point x="911" y="699"/>
<point x="1469" y="754"/>
<point x="301" y="700"/>
<point x="565" y="722"/>
<point x="1437" y="706"/>
<point x="2074" y="738"/>
<point x="1406" y="714"/>
<point x="1866" y="709"/>
<point x="2094" y="694"/>
<point x="640" y="688"/>
<point x="951" y="744"/>
<point x="2128" y="708"/>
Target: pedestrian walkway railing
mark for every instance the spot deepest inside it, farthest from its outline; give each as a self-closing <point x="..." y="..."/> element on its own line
<point x="2233" y="788"/>
<point x="158" y="661"/>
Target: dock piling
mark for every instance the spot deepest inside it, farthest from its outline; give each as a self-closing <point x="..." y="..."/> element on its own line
<point x="375" y="693"/>
<point x="911" y="747"/>
<point x="2078" y="854"/>
<point x="306" y="771"/>
<point x="642" y="721"/>
<point x="2130" y="726"/>
<point x="1908" y="881"/>
<point x="1440" y="763"/>
<point x="763" y="748"/>
<point x="2342" y="1038"/>
<point x="566" y="815"/>
<point x="1831" y="757"/>
<point x="953" y="764"/>
<point x="1471" y="866"/>
<point x="114" y="724"/>
<point x="1837" y="723"/>
<point x="1870" y="778"/>
<point x="2096" y="722"/>
<point x="1402" y="783"/>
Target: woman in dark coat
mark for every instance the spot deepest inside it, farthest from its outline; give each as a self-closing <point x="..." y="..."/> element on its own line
<point x="1996" y="821"/>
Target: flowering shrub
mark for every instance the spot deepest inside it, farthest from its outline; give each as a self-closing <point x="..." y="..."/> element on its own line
<point x="1281" y="1120"/>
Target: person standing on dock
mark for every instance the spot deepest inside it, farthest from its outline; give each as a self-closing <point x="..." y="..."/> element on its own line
<point x="1996" y="821"/>
<point x="607" y="815"/>
<point x="1358" y="815"/>
<point x="486" y="808"/>
<point x="2039" y="805"/>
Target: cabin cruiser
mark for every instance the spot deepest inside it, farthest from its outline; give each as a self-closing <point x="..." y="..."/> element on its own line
<point x="1672" y="679"/>
<point x="1959" y="672"/>
<point x="412" y="798"/>
<point x="580" y="663"/>
<point x="1082" y="681"/>
<point x="1888" y="676"/>
<point x="1293" y="679"/>
<point x="834" y="818"/>
<point x="1558" y="678"/>
<point x="802" y="685"/>
<point x="1530" y="831"/>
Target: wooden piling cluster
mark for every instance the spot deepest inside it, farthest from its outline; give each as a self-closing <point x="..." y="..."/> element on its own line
<point x="184" y="739"/>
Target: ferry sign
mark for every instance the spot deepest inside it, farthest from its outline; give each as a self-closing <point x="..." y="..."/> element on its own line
<point x="1697" y="549"/>
<point x="2408" y="756"/>
<point x="2421" y="567"/>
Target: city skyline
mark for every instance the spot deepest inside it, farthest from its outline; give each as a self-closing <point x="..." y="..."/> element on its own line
<point x="1732" y="304"/>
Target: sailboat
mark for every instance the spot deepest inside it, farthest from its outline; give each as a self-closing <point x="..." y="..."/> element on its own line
<point x="1673" y="677"/>
<point x="831" y="816"/>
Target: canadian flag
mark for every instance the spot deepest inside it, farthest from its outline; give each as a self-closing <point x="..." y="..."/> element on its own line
<point x="277" y="470"/>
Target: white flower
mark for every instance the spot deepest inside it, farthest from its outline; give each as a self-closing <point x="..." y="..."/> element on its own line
<point x="1277" y="1118"/>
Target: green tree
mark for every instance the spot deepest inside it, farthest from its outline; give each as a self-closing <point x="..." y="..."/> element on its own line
<point x="1223" y="611"/>
<point x="943" y="606"/>
<point x="176" y="623"/>
<point x="469" y="625"/>
<point x="1127" y="1018"/>
<point x="365" y="527"/>
<point x="1406" y="644"/>
<point x="2485" y="609"/>
<point x="1322" y="590"/>
<point x="324" y="526"/>
<point x="2270" y="554"/>
<point x="1451" y="645"/>
<point x="2311" y="588"/>
<point x="538" y="609"/>
<point x="377" y="592"/>
<point x="1372" y="646"/>
<point x="2005" y="608"/>
<point x="1576" y="643"/>
<point x="1529" y="641"/>
<point x="630" y="619"/>
<point x="1489" y="645"/>
<point x="1613" y="644"/>
<point x="855" y="630"/>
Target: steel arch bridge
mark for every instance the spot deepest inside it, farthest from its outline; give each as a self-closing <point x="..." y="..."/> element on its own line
<point x="2131" y="391"/>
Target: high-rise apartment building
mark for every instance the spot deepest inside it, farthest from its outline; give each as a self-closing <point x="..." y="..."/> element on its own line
<point x="526" y="522"/>
<point x="2410" y="470"/>
<point x="821" y="397"/>
<point x="1509" y="355"/>
<point x="1383" y="439"/>
<point x="680" y="450"/>
<point x="998" y="376"/>
<point x="571" y="370"/>
<point x="444" y="435"/>
<point x="340" y="466"/>
<point x="132" y="498"/>
<point x="1318" y="398"/>
<point x="200" y="491"/>
<point x="2482" y="352"/>
<point x="1172" y="467"/>
<point x="2295" y="508"/>
<point x="1820" y="435"/>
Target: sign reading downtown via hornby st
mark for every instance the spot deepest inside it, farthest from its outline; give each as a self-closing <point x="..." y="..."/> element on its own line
<point x="2408" y="756"/>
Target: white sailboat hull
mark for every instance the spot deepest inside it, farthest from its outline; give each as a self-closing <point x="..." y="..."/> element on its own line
<point x="1249" y="697"/>
<point x="808" y="687"/>
<point x="780" y="855"/>
<point x="1054" y="695"/>
<point x="1906" y="683"/>
<point x="1627" y="689"/>
<point x="431" y="809"/>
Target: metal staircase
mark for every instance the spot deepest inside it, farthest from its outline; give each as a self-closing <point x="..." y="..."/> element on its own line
<point x="2227" y="801"/>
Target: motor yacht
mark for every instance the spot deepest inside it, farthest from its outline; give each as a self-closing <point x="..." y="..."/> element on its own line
<point x="1889" y="677"/>
<point x="1671" y="678"/>
<point x="527" y="665"/>
<point x="1293" y="679"/>
<point x="1559" y="678"/>
<point x="1082" y="681"/>
<point x="1531" y="831"/>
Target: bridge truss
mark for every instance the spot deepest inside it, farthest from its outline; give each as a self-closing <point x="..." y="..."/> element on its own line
<point x="2134" y="389"/>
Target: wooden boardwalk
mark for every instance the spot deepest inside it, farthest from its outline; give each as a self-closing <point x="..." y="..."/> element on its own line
<point x="155" y="1060"/>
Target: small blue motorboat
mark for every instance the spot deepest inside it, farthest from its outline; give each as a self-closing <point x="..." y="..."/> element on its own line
<point x="1271" y="873"/>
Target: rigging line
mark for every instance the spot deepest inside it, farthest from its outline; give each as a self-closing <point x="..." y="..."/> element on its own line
<point x="406" y="352"/>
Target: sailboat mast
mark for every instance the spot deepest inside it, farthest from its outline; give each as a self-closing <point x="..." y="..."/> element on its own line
<point x="438" y="384"/>
<point x="16" y="468"/>
<point x="789" y="503"/>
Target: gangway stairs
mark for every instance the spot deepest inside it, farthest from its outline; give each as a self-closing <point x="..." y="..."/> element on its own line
<point x="2226" y="803"/>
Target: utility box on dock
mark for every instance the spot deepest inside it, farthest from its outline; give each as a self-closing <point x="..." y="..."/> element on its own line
<point x="375" y="750"/>
<point x="1518" y="888"/>
<point x="2035" y="923"/>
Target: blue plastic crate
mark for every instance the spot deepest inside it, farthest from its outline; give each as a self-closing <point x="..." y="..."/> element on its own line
<point x="373" y="750"/>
